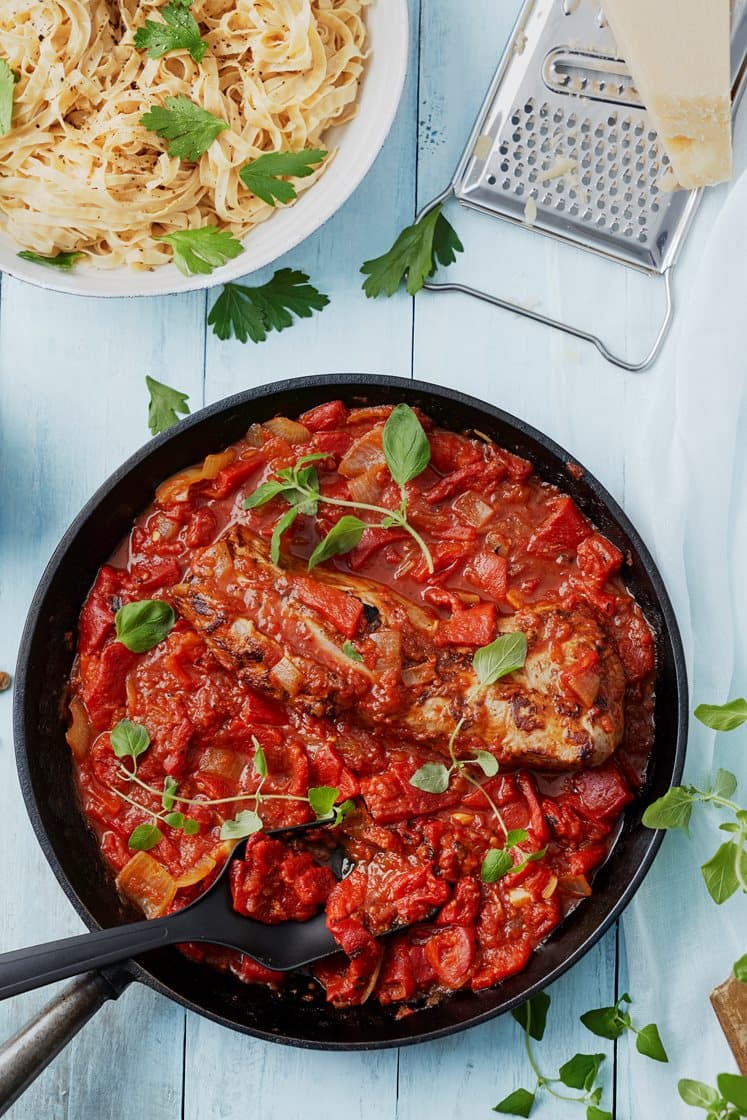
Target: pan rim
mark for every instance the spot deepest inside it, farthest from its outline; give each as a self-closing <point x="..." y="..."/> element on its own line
<point x="350" y="381"/>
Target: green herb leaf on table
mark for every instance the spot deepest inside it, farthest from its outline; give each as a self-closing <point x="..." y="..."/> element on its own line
<point x="322" y="800"/>
<point x="199" y="251"/>
<point x="129" y="740"/>
<point x="497" y="863"/>
<point x="725" y="784"/>
<point x="144" y="837"/>
<point x="649" y="1043"/>
<point x="7" y="91"/>
<point x="723" y="870"/>
<point x="734" y="1089"/>
<point x="740" y="969"/>
<point x="350" y="651"/>
<point x="188" y="127"/>
<point x="267" y="175"/>
<point x="415" y="254"/>
<point x="142" y="625"/>
<point x="594" y="1113"/>
<point x="252" y="312"/>
<point x="503" y="656"/>
<point x="433" y="777"/>
<point x="518" y="1103"/>
<point x="178" y="31"/>
<point x="673" y="810"/>
<point x="608" y="1022"/>
<point x="532" y="1015"/>
<point x="697" y="1094"/>
<point x="63" y="261"/>
<point x="580" y="1072"/>
<point x="406" y="447"/>
<point x="245" y="823"/>
<point x="164" y="405"/>
<point x="723" y="717"/>
<point x="342" y="537"/>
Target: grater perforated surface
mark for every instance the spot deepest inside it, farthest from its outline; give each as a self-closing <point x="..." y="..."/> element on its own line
<point x="563" y="144"/>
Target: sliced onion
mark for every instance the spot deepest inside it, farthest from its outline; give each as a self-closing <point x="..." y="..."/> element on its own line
<point x="472" y="509"/>
<point x="289" y="430"/>
<point x="147" y="883"/>
<point x="196" y="874"/>
<point x="287" y="676"/>
<point x="552" y="885"/>
<point x="255" y="437"/>
<point x="576" y="885"/>
<point x="366" y="453"/>
<point x="389" y="649"/>
<point x="366" y="487"/>
<point x="80" y="733"/>
<point x="518" y="896"/>
<point x="176" y="489"/>
<point x="418" y="675"/>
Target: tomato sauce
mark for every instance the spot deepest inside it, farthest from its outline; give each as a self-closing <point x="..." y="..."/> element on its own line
<point x="502" y="542"/>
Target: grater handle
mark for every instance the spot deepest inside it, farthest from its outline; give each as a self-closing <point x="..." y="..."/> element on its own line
<point x="559" y="324"/>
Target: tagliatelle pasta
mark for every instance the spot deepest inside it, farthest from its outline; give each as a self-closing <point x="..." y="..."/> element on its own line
<point x="78" y="171"/>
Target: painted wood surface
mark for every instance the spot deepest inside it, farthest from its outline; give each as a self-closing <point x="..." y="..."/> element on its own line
<point x="73" y="406"/>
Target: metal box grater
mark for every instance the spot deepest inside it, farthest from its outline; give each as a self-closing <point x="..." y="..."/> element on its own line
<point x="562" y="144"/>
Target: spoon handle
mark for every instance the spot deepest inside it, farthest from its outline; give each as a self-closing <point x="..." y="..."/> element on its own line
<point x="24" y="969"/>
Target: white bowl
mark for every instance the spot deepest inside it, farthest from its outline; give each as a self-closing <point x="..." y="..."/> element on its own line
<point x="357" y="143"/>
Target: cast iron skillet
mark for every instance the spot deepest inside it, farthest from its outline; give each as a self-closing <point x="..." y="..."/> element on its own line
<point x="45" y="769"/>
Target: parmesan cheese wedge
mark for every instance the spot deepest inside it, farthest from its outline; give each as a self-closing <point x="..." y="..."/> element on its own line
<point x="678" y="55"/>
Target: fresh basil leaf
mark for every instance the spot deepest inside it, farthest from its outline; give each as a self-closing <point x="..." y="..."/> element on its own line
<point x="722" y="717"/>
<point x="142" y="625"/>
<point x="516" y="836"/>
<point x="673" y="810"/>
<point x="734" y="1089"/>
<point x="725" y="783"/>
<point x="488" y="763"/>
<point x="322" y="799"/>
<point x="406" y="447"/>
<point x="175" y="820"/>
<point x="199" y="251"/>
<point x="188" y="127"/>
<point x="164" y="404"/>
<point x="433" y="777"/>
<point x="63" y="261"/>
<point x="497" y="863"/>
<point x="265" y="493"/>
<point x="144" y="837"/>
<point x="350" y="651"/>
<point x="503" y="656"/>
<point x="697" y="1094"/>
<point x="260" y="760"/>
<point x="191" y="827"/>
<point x="740" y="969"/>
<point x="342" y="537"/>
<point x="594" y="1113"/>
<point x="284" y="523"/>
<point x="169" y="792"/>
<point x="7" y="91"/>
<point x="265" y="175"/>
<point x="649" y="1043"/>
<point x="245" y="823"/>
<point x="720" y="871"/>
<point x="532" y="857"/>
<point x="518" y="1103"/>
<point x="580" y="1071"/>
<point x="128" y="739"/>
<point x="532" y="1015"/>
<point x="605" y="1022"/>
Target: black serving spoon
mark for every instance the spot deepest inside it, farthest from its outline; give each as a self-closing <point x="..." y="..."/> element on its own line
<point x="211" y="918"/>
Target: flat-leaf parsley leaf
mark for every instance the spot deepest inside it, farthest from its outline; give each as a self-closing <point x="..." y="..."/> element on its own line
<point x="7" y="87"/>
<point x="246" y="312"/>
<point x="189" y="128"/>
<point x="415" y="254"/>
<point x="63" y="261"/>
<point x="199" y="251"/>
<point x="263" y="176"/>
<point x="178" y="31"/>
<point x="163" y="406"/>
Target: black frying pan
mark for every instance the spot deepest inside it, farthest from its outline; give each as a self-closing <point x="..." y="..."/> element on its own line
<point x="45" y="769"/>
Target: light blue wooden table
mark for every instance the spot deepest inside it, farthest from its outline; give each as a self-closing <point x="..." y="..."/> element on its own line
<point x="73" y="406"/>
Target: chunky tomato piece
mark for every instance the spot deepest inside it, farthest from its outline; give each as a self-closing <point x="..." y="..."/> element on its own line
<point x="600" y="794"/>
<point x="326" y="768"/>
<point x="489" y="573"/>
<point x="473" y="627"/>
<point x="635" y="644"/>
<point x="97" y="617"/>
<point x="263" y="710"/>
<point x="396" y="983"/>
<point x="561" y="532"/>
<point x="231" y="477"/>
<point x="498" y="963"/>
<point x="105" y="690"/>
<point x="391" y="798"/>
<point x="450" y="452"/>
<point x="324" y="417"/>
<point x="463" y="908"/>
<point x="598" y="558"/>
<point x="154" y="575"/>
<point x="272" y="883"/>
<point x="451" y="953"/>
<point x="341" y="609"/>
<point x="371" y="541"/>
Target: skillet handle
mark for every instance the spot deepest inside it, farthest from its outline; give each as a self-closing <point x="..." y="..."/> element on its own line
<point x="32" y="1048"/>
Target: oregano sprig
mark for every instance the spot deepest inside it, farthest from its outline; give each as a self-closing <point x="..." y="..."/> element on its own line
<point x="612" y="1022"/>
<point x="727" y="1102"/>
<point x="407" y="454"/>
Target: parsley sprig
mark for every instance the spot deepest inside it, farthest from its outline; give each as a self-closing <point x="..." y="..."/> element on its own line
<point x="246" y="312"/>
<point x="130" y="740"/>
<point x="199" y="251"/>
<point x="726" y="871"/>
<point x="416" y="254"/>
<point x="188" y="127"/>
<point x="178" y="31"/>
<point x="63" y="261"/>
<point x="407" y="453"/>
<point x="728" y="1102"/>
<point x="7" y="90"/>
<point x="581" y="1072"/>
<point x="164" y="404"/>
<point x="267" y="175"/>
